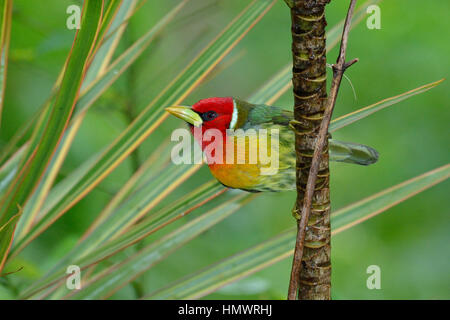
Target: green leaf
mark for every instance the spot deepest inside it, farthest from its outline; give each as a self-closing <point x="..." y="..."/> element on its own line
<point x="280" y="247"/>
<point x="5" y="33"/>
<point x="347" y="119"/>
<point x="43" y="146"/>
<point x="116" y="13"/>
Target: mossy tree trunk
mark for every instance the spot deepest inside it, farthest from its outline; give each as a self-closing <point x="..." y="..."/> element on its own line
<point x="309" y="81"/>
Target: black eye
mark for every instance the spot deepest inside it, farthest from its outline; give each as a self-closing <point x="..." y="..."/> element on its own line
<point x="208" y="116"/>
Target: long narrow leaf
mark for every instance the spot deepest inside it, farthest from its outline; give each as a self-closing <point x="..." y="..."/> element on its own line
<point x="5" y="32"/>
<point x="115" y="14"/>
<point x="347" y="119"/>
<point x="43" y="146"/>
<point x="367" y="208"/>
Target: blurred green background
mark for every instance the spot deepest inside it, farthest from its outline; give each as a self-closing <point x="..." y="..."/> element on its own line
<point x="409" y="242"/>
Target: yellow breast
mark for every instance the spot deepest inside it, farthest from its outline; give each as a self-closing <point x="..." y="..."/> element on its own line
<point x="241" y="170"/>
<point x="276" y="175"/>
<point x="239" y="176"/>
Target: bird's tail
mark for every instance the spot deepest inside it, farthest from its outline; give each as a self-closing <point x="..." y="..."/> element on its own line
<point x="352" y="153"/>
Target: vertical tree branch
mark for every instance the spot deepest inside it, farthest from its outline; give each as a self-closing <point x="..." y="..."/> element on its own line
<point x="309" y="81"/>
<point x="311" y="267"/>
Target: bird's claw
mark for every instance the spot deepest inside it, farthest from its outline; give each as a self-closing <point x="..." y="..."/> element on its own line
<point x="296" y="213"/>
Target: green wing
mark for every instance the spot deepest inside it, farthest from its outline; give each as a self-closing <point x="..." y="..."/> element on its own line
<point x="265" y="116"/>
<point x="262" y="114"/>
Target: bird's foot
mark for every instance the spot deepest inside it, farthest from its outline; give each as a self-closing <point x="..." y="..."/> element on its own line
<point x="296" y="213"/>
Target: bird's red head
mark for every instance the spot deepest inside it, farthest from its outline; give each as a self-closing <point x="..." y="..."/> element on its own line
<point x="216" y="113"/>
<point x="210" y="115"/>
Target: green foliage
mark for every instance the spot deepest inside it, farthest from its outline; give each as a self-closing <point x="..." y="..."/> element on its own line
<point x="146" y="213"/>
<point x="51" y="126"/>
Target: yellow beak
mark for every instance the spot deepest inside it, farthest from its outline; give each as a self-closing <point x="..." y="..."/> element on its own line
<point x="186" y="114"/>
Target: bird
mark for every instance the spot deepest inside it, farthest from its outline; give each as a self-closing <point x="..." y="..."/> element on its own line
<point x="227" y="115"/>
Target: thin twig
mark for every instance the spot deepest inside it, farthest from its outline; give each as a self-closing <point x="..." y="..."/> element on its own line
<point x="338" y="72"/>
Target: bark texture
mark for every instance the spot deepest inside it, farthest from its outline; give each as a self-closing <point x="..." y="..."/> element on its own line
<point x="309" y="81"/>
